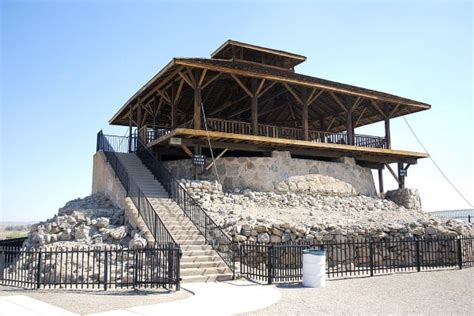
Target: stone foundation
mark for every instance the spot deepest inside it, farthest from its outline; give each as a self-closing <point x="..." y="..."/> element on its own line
<point x="408" y="198"/>
<point x="269" y="173"/>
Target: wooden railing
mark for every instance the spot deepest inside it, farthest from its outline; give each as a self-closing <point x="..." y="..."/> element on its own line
<point x="245" y="128"/>
<point x="238" y="127"/>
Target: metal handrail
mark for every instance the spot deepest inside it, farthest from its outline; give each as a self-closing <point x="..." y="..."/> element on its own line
<point x="212" y="232"/>
<point x="139" y="199"/>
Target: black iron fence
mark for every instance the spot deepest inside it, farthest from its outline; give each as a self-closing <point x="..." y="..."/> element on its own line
<point x="91" y="268"/>
<point x="283" y="262"/>
<point x="212" y="232"/>
<point x="12" y="242"/>
<point x="464" y="215"/>
<point x="144" y="207"/>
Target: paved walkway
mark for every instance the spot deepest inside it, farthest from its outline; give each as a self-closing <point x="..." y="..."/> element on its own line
<point x="222" y="298"/>
<point x="21" y="305"/>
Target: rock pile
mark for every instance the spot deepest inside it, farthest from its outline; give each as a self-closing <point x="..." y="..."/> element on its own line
<point x="302" y="215"/>
<point x="93" y="220"/>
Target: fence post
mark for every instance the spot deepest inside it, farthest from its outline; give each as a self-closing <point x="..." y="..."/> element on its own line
<point x="135" y="272"/>
<point x="170" y="249"/>
<point x="2" y="263"/>
<point x="178" y="268"/>
<point x="106" y="270"/>
<point x="269" y="264"/>
<point x="38" y="271"/>
<point x="371" y="254"/>
<point x="459" y="243"/>
<point x="418" y="257"/>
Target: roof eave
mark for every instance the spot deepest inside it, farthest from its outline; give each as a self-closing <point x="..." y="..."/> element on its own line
<point x="150" y="82"/>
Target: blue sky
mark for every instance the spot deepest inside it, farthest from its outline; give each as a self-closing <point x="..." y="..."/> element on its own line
<point x="66" y="69"/>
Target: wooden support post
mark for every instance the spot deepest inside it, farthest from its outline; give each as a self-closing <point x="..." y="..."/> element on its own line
<point x="254" y="107"/>
<point x="130" y="132"/>
<point x="401" y="177"/>
<point x="350" y="128"/>
<point x="173" y="107"/>
<point x="197" y="103"/>
<point x="197" y="169"/>
<point x="305" y="115"/>
<point x="381" y="190"/>
<point x="388" y="142"/>
<point x="139" y="119"/>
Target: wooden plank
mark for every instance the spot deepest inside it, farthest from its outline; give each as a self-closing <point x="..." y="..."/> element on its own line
<point x="197" y="106"/>
<point x="271" y="77"/>
<point x="241" y="84"/>
<point x="338" y="101"/>
<point x="217" y="158"/>
<point x="187" y="151"/>
<point x="184" y="132"/>
<point x="394" y="175"/>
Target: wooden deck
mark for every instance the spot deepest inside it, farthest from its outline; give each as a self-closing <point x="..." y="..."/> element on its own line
<point x="190" y="137"/>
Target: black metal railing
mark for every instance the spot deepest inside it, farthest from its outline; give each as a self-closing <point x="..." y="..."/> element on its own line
<point x="13" y="242"/>
<point x="91" y="268"/>
<point x="144" y="207"/>
<point x="212" y="232"/>
<point x="283" y="262"/>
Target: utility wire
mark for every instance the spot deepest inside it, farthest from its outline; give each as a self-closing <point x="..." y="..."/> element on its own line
<point x="436" y="165"/>
<point x="210" y="146"/>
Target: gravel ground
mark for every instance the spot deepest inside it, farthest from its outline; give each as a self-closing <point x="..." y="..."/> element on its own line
<point x="426" y="293"/>
<point x="84" y="302"/>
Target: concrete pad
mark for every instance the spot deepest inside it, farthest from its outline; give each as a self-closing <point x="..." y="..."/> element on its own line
<point x="17" y="305"/>
<point x="220" y="298"/>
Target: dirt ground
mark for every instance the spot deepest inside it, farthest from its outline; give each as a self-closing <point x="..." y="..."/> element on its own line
<point x="448" y="292"/>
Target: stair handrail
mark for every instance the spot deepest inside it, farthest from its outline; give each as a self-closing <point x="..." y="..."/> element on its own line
<point x="212" y="232"/>
<point x="151" y="219"/>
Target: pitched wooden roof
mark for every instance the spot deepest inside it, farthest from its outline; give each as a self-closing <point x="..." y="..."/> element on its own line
<point x="328" y="105"/>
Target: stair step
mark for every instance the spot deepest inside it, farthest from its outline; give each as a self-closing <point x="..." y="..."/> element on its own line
<point x="204" y="264"/>
<point x="203" y="258"/>
<point x="206" y="278"/>
<point x="191" y="242"/>
<point x="196" y="247"/>
<point x="188" y="253"/>
<point x="203" y="271"/>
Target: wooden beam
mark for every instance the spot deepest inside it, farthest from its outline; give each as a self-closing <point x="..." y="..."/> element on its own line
<point x="293" y="93"/>
<point x="259" y="89"/>
<point x="241" y="84"/>
<point x="388" y="138"/>
<point x="187" y="151"/>
<point x="178" y="93"/>
<point x="267" y="88"/>
<point x="376" y="106"/>
<point x="197" y="104"/>
<point x="394" y="110"/>
<point x="360" y="117"/>
<point x="217" y="158"/>
<point x="338" y="101"/>
<point x="313" y="97"/>
<point x="185" y="78"/>
<point x="201" y="80"/>
<point x="254" y="105"/>
<point x="394" y="175"/>
<point x="211" y="80"/>
<point x="381" y="190"/>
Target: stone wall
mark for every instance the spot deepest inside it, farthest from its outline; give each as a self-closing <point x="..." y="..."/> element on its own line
<point x="268" y="173"/>
<point x="408" y="198"/>
<point x="105" y="182"/>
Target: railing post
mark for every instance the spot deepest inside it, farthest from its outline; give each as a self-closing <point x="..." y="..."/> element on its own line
<point x="459" y="246"/>
<point x="106" y="270"/>
<point x="38" y="271"/>
<point x="269" y="264"/>
<point x="418" y="255"/>
<point x="178" y="269"/>
<point x="135" y="271"/>
<point x="371" y="259"/>
<point x="2" y="263"/>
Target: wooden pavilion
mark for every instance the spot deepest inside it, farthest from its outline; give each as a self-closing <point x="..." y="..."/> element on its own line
<point x="248" y="100"/>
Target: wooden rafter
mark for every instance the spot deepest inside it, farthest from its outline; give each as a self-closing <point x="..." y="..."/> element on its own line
<point x="242" y="85"/>
<point x="211" y="80"/>
<point x="338" y="101"/>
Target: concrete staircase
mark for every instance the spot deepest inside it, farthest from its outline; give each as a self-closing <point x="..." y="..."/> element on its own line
<point x="199" y="263"/>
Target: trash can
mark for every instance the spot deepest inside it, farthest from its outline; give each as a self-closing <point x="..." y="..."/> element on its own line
<point x="314" y="268"/>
